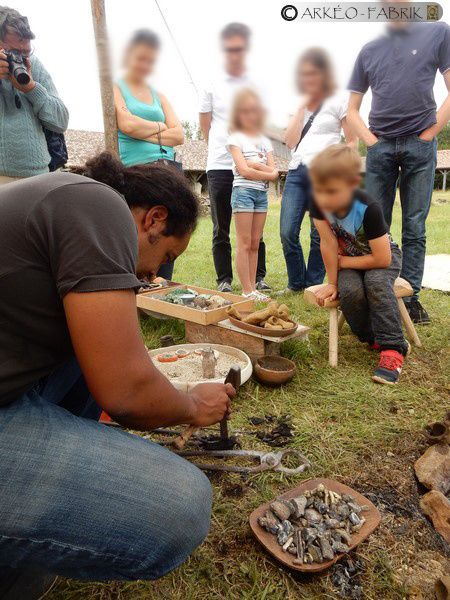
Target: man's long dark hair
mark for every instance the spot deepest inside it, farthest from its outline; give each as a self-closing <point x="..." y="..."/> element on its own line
<point x="146" y="186"/>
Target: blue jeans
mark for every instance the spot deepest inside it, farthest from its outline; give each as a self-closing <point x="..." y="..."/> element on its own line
<point x="296" y="199"/>
<point x="413" y="162"/>
<point x="249" y="200"/>
<point x="86" y="501"/>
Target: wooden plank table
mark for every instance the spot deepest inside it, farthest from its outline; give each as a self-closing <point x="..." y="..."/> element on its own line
<point x="253" y="344"/>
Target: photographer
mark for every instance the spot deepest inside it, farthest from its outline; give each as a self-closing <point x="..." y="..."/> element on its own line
<point x="29" y="102"/>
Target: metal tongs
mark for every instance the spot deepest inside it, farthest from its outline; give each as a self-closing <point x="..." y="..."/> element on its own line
<point x="268" y="461"/>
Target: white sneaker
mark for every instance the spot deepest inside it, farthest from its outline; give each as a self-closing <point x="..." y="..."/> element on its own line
<point x="257" y="296"/>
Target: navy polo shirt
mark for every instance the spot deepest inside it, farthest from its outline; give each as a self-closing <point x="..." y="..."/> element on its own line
<point x="400" y="68"/>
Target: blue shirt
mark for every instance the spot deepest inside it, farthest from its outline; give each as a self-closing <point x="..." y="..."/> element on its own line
<point x="131" y="150"/>
<point x="363" y="222"/>
<point x="400" y="68"/>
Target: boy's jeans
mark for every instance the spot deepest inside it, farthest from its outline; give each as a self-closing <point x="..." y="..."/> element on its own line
<point x="414" y="160"/>
<point x="369" y="304"/>
<point x="295" y="202"/>
<point x="88" y="501"/>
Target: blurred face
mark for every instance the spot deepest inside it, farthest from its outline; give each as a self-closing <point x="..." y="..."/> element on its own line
<point x="235" y="50"/>
<point x="14" y="42"/>
<point x="310" y="80"/>
<point x="140" y="61"/>
<point x="155" y="248"/>
<point x="334" y="195"/>
<point x="250" y="115"/>
<point x="395" y="24"/>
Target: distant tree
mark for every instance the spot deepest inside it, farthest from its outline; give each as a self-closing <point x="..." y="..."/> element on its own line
<point x="191" y="130"/>
<point x="188" y="130"/>
<point x="444" y="138"/>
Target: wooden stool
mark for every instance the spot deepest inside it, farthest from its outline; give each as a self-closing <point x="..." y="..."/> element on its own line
<point x="402" y="289"/>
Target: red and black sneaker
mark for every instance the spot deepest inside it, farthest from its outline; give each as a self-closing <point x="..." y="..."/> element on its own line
<point x="389" y="367"/>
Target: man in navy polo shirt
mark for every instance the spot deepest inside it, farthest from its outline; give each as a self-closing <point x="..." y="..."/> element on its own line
<point x="400" y="68"/>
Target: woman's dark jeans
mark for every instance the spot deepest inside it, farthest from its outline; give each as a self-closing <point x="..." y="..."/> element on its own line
<point x="296" y="199"/>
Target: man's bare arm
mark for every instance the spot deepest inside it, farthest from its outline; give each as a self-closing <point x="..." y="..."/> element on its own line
<point x="205" y="120"/>
<point x="355" y="121"/>
<point x="442" y="115"/>
<point x="121" y="376"/>
<point x="350" y="136"/>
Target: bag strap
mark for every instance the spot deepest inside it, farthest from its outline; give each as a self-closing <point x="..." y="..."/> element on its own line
<point x="307" y="126"/>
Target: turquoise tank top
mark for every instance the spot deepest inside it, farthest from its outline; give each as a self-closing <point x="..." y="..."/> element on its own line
<point x="133" y="151"/>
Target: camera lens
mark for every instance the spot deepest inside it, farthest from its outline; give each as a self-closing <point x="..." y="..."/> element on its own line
<point x="22" y="76"/>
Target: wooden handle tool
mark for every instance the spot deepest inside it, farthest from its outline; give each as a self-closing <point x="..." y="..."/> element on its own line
<point x="233" y="377"/>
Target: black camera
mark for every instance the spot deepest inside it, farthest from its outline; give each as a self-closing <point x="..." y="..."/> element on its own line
<point x="17" y="66"/>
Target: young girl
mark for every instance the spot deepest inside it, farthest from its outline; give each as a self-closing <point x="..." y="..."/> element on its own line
<point x="253" y="168"/>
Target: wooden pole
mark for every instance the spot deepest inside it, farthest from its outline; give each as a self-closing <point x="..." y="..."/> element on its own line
<point x="105" y="76"/>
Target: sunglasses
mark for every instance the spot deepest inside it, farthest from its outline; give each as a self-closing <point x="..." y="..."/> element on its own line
<point x="235" y="50"/>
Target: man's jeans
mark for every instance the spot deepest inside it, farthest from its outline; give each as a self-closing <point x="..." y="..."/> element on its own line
<point x="220" y="186"/>
<point x="295" y="202"/>
<point x="88" y="501"/>
<point x="369" y="304"/>
<point x="414" y="162"/>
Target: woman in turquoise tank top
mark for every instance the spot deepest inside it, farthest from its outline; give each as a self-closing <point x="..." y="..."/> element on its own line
<point x="148" y="126"/>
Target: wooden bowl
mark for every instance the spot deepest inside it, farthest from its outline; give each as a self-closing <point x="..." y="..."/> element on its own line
<point x="269" y="541"/>
<point x="274" y="370"/>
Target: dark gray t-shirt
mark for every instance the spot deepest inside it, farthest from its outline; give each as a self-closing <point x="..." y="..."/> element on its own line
<point x="59" y="233"/>
<point x="400" y="68"/>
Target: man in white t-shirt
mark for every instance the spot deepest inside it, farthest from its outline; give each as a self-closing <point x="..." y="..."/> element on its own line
<point x="215" y="104"/>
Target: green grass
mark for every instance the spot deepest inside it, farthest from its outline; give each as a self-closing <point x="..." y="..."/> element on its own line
<point x="365" y="435"/>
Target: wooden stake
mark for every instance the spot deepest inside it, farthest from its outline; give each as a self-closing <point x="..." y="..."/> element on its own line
<point x="407" y="322"/>
<point x="106" y="83"/>
<point x="333" y="338"/>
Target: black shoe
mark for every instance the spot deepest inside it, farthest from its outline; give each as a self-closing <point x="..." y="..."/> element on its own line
<point x="263" y="286"/>
<point x="25" y="585"/>
<point x="225" y="286"/>
<point x="416" y="311"/>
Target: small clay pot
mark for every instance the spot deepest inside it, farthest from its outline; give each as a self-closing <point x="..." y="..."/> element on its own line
<point x="274" y="370"/>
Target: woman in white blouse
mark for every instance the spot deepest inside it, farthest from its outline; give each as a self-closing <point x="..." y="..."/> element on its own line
<point x="316" y="124"/>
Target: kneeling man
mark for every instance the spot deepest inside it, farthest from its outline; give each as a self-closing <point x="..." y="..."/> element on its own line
<point x="80" y="499"/>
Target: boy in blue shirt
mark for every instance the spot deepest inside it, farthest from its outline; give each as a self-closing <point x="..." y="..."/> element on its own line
<point x="361" y="260"/>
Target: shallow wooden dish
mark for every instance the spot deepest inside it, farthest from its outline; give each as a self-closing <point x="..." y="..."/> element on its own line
<point x="262" y="330"/>
<point x="150" y="303"/>
<point x="274" y="370"/>
<point x="269" y="541"/>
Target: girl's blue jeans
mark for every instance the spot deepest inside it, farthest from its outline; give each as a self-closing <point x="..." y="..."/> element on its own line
<point x="296" y="200"/>
<point x="88" y="501"/>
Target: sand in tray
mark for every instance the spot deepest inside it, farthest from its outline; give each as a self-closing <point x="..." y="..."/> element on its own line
<point x="190" y="368"/>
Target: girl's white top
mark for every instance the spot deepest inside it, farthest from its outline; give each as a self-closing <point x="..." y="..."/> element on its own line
<point x="254" y="149"/>
<point x="325" y="130"/>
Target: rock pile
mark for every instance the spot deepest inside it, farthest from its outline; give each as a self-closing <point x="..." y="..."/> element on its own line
<point x="316" y="526"/>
